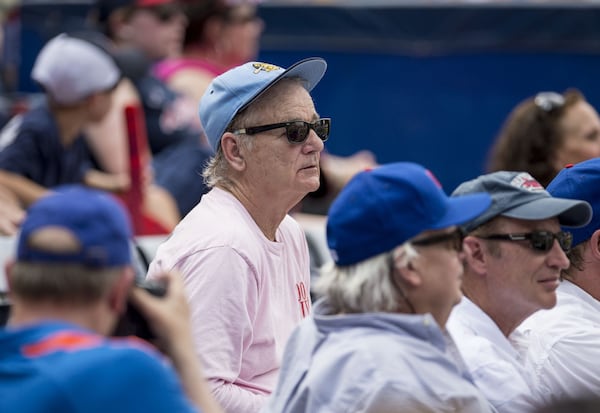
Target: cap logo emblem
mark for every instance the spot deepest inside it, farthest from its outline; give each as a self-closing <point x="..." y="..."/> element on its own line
<point x="526" y="182"/>
<point x="258" y="67"/>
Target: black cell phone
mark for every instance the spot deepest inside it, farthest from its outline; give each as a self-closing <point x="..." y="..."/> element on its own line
<point x="4" y="308"/>
<point x="133" y="323"/>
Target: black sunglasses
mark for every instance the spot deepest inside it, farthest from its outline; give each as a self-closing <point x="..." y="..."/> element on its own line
<point x="549" y="101"/>
<point x="296" y="131"/>
<point x="454" y="240"/>
<point x="540" y="240"/>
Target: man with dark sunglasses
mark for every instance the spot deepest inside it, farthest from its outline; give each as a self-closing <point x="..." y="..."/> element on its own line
<point x="376" y="341"/>
<point x="514" y="254"/>
<point x="244" y="260"/>
<point x="563" y="344"/>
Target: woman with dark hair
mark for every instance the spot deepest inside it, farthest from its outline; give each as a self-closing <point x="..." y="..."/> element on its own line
<point x="544" y="133"/>
<point x="221" y="34"/>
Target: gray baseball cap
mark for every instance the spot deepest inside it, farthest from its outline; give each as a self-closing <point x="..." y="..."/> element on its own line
<point x="519" y="195"/>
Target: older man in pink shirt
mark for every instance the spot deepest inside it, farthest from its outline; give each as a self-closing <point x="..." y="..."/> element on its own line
<point x="245" y="261"/>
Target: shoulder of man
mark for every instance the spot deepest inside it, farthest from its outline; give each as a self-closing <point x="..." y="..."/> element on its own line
<point x="120" y="374"/>
<point x="36" y="121"/>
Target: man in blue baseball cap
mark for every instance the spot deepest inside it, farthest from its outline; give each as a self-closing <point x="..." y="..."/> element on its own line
<point x="514" y="254"/>
<point x="244" y="260"/>
<point x="561" y="342"/>
<point x="68" y="287"/>
<point x="376" y="340"/>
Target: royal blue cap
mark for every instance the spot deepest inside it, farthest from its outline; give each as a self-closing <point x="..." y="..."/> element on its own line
<point x="384" y="207"/>
<point x="518" y="195"/>
<point x="93" y="217"/>
<point x="234" y="90"/>
<point x="581" y="182"/>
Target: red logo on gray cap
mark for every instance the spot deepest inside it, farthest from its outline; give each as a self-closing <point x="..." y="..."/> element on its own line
<point x="526" y="182"/>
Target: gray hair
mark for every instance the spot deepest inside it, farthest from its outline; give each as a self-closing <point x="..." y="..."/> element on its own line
<point x="367" y="286"/>
<point x="217" y="170"/>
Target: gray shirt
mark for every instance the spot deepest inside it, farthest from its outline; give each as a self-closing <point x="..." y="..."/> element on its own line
<point x="372" y="362"/>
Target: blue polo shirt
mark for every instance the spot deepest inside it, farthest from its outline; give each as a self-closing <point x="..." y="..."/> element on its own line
<point x="36" y="152"/>
<point x="59" y="367"/>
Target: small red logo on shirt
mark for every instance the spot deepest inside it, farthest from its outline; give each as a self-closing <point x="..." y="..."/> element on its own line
<point x="303" y="299"/>
<point x="62" y="341"/>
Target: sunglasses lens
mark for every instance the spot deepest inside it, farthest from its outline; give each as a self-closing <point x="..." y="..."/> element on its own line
<point x="543" y="241"/>
<point x="322" y="129"/>
<point x="565" y="239"/>
<point x="459" y="241"/>
<point x="297" y="132"/>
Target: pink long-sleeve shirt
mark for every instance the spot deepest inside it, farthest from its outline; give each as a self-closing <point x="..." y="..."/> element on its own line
<point x="247" y="294"/>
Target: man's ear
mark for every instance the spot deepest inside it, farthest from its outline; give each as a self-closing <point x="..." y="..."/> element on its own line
<point x="475" y="255"/>
<point x="406" y="274"/>
<point x="594" y="244"/>
<point x="232" y="151"/>
<point x="119" y="292"/>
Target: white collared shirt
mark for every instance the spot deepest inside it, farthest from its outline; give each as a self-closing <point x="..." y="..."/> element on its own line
<point x="562" y="346"/>
<point x="492" y="360"/>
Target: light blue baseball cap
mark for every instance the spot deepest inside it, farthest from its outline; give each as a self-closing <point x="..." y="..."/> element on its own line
<point x="234" y="90"/>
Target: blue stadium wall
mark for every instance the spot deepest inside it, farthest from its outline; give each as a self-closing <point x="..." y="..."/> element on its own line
<point x="429" y="84"/>
<point x="434" y="84"/>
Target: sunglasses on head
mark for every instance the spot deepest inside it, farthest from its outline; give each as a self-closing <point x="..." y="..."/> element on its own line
<point x="549" y="101"/>
<point x="296" y="131"/>
<point x="539" y="240"/>
<point x="453" y="240"/>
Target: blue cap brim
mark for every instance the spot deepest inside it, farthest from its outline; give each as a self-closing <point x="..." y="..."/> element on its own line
<point x="462" y="209"/>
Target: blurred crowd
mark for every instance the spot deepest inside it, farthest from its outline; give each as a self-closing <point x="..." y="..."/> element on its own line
<point x="153" y="117"/>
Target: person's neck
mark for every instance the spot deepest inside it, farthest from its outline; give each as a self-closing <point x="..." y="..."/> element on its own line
<point x="587" y="279"/>
<point x="441" y="317"/>
<point x="506" y="316"/>
<point x="28" y="313"/>
<point x="440" y="314"/>
<point x="267" y="210"/>
<point x="70" y="124"/>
